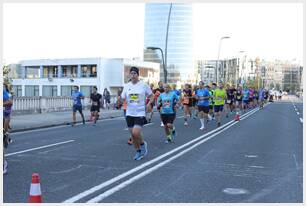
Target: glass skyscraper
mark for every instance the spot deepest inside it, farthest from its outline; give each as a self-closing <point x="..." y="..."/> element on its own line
<point x="180" y="65"/>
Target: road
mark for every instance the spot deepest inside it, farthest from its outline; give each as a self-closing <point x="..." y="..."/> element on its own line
<point x="256" y="160"/>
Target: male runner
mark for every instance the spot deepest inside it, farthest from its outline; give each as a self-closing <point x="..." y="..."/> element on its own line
<point x="77" y="104"/>
<point x="219" y="96"/>
<point x="203" y="96"/>
<point x="135" y="93"/>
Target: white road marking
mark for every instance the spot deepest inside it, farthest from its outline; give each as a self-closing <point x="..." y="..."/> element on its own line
<point x="251" y="156"/>
<point x="37" y="148"/>
<point x="301" y="120"/>
<point x="180" y="117"/>
<point x="148" y="171"/>
<point x="123" y="175"/>
<point x="148" y="124"/>
<point x="296" y="164"/>
<point x="254" y="166"/>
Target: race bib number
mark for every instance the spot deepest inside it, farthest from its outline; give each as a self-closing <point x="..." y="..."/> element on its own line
<point x="95" y="103"/>
<point x="134" y="98"/>
<point x="167" y="104"/>
<point x="228" y="101"/>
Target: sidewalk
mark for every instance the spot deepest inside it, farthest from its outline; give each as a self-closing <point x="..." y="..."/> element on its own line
<point x="51" y="119"/>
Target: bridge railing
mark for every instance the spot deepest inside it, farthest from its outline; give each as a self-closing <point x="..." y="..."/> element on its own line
<point x="28" y="105"/>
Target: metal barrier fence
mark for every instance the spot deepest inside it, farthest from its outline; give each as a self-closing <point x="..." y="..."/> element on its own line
<point x="26" y="105"/>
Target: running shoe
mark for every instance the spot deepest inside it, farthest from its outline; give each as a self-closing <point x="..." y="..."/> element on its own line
<point x="138" y="155"/>
<point x="162" y="124"/>
<point x="202" y="128"/>
<point x="219" y="124"/>
<point x="174" y="133"/>
<point x="185" y="124"/>
<point x="144" y="149"/>
<point x="169" y="139"/>
<point x="130" y="141"/>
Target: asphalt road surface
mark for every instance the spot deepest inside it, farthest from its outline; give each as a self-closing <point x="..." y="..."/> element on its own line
<point x="256" y="160"/>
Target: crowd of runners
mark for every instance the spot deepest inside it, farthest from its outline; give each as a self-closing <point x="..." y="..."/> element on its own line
<point x="208" y="103"/>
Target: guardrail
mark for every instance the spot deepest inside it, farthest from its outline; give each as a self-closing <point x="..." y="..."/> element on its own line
<point x="27" y="105"/>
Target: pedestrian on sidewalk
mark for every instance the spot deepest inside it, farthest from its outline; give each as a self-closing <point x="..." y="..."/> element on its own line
<point x="106" y="98"/>
<point x="77" y="104"/>
<point x="95" y="100"/>
<point x="135" y="93"/>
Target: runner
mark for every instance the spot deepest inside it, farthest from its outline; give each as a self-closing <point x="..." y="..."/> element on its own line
<point x="238" y="99"/>
<point x="219" y="96"/>
<point x="194" y="101"/>
<point x="7" y="110"/>
<point x="203" y="96"/>
<point x="167" y="103"/>
<point x="95" y="100"/>
<point x="186" y="101"/>
<point x="261" y="98"/>
<point x="157" y="92"/>
<point x="150" y="113"/>
<point x="7" y="102"/>
<point x="77" y="104"/>
<point x="135" y="93"/>
<point x="256" y="98"/>
<point x="229" y="104"/>
<point x="245" y="98"/>
<point x="211" y="115"/>
<point x="251" y="97"/>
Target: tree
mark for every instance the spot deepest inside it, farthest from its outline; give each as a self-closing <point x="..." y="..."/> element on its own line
<point x="6" y="70"/>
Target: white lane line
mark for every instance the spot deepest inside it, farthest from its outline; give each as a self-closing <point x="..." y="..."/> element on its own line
<point x="37" y="148"/>
<point x="180" y="117"/>
<point x="123" y="175"/>
<point x="156" y="167"/>
<point x="296" y="164"/>
<point x="148" y="124"/>
<point x="301" y="120"/>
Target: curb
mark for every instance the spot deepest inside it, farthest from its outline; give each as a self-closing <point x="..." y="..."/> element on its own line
<point x="55" y="125"/>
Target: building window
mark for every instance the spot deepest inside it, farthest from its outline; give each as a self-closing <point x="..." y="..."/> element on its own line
<point x="50" y="71"/>
<point x="66" y="90"/>
<point x="32" y="72"/>
<point x="32" y="91"/>
<point x="17" y="90"/>
<point x="89" y="71"/>
<point x="86" y="90"/>
<point x="49" y="91"/>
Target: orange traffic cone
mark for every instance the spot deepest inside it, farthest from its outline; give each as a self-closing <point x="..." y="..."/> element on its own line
<point x="237" y="117"/>
<point x="35" y="192"/>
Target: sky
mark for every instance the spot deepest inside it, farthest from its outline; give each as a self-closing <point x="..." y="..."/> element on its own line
<point x="116" y="30"/>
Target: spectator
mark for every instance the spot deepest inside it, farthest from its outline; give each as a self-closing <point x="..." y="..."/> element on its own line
<point x="106" y="98"/>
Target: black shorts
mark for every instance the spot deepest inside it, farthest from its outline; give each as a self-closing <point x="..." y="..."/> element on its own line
<point x="204" y="109"/>
<point x="77" y="108"/>
<point x="167" y="118"/>
<point x="95" y="108"/>
<point x="229" y="101"/>
<point x="218" y="108"/>
<point x="211" y="107"/>
<point x="132" y="121"/>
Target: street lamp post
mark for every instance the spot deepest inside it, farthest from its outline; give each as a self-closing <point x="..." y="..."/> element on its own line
<point x="217" y="63"/>
<point x="237" y="72"/>
<point x="164" y="66"/>
<point x="166" y="46"/>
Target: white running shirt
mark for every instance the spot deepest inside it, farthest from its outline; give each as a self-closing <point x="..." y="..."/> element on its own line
<point x="135" y="96"/>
